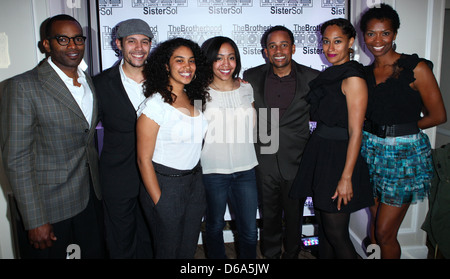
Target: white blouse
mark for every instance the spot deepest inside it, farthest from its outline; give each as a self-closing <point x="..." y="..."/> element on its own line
<point x="229" y="145"/>
<point x="180" y="136"/>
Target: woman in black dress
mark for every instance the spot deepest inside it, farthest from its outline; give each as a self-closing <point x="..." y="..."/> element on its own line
<point x="332" y="170"/>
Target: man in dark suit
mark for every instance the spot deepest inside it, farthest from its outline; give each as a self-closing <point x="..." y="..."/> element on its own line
<point x="48" y="119"/>
<point x="120" y="93"/>
<point x="280" y="88"/>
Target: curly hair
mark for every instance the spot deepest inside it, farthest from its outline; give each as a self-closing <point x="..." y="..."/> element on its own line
<point x="383" y="12"/>
<point x="157" y="78"/>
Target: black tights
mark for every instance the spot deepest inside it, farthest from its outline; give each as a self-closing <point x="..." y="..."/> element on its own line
<point x="334" y="238"/>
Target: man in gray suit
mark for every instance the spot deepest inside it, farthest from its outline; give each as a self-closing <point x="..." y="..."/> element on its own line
<point x="48" y="119"/>
<point x="280" y="88"/>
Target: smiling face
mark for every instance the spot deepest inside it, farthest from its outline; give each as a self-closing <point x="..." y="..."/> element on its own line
<point x="336" y="45"/>
<point x="181" y="67"/>
<point x="225" y="64"/>
<point x="279" y="50"/>
<point x="135" y="49"/>
<point x="379" y="36"/>
<point x="68" y="57"/>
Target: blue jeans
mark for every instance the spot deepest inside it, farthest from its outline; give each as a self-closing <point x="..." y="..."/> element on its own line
<point x="241" y="191"/>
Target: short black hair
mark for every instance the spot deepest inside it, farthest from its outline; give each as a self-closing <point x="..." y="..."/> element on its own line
<point x="61" y="17"/>
<point x="384" y="11"/>
<point x="211" y="49"/>
<point x="345" y="25"/>
<point x="273" y="29"/>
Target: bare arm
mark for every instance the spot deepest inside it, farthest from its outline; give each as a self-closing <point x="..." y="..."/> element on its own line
<point x="355" y="90"/>
<point x="147" y="131"/>
<point x="434" y="110"/>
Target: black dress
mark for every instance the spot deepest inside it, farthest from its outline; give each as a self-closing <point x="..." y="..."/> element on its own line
<point x="326" y="152"/>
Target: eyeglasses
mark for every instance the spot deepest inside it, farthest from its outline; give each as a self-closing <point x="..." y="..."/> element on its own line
<point x="64" y="40"/>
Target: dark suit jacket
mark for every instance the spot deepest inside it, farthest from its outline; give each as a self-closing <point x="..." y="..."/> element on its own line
<point x="47" y="146"/>
<point x="293" y="127"/>
<point x="119" y="172"/>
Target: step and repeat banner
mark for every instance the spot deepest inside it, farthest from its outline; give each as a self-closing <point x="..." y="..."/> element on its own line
<point x="244" y="21"/>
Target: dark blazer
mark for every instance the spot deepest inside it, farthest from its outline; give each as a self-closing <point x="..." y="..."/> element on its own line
<point x="293" y="127"/>
<point x="119" y="172"/>
<point x="47" y="147"/>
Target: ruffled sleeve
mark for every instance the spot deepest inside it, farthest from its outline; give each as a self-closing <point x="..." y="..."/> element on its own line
<point x="338" y="73"/>
<point x="329" y="82"/>
<point x="408" y="63"/>
<point x="153" y="108"/>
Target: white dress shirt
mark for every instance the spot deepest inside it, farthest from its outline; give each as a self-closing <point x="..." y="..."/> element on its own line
<point x="82" y="95"/>
<point x="134" y="90"/>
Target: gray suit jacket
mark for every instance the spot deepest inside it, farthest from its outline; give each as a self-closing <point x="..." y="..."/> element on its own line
<point x="47" y="146"/>
<point x="293" y="127"/>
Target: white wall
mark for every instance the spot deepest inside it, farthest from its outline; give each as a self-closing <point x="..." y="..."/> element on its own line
<point x="21" y="20"/>
<point x="443" y="131"/>
<point x="421" y="32"/>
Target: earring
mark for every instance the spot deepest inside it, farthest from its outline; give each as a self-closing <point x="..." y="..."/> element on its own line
<point x="351" y="53"/>
<point x="394" y="46"/>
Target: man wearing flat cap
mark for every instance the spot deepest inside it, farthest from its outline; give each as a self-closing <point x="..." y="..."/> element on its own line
<point x="120" y="92"/>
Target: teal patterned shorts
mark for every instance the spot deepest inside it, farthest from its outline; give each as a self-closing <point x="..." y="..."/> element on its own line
<point x="401" y="168"/>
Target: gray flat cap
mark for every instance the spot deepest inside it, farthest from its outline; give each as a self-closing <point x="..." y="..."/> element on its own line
<point x="132" y="27"/>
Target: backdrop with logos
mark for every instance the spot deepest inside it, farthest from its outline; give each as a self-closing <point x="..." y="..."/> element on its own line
<point x="244" y="21"/>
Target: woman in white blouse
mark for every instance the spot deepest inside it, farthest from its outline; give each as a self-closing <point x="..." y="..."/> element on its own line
<point x="228" y="155"/>
<point x="170" y="131"/>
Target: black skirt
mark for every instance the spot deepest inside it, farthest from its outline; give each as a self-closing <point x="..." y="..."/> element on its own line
<point x="320" y="171"/>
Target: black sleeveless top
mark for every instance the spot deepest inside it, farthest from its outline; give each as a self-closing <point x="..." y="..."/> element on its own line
<point x="394" y="101"/>
<point x="328" y="103"/>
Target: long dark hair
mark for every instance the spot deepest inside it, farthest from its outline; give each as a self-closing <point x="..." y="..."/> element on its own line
<point x="157" y="79"/>
<point x="211" y="49"/>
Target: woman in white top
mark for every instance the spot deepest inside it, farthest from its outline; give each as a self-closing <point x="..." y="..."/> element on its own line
<point x="170" y="131"/>
<point x="228" y="156"/>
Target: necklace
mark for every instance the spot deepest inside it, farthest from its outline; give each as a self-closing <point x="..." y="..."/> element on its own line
<point x="217" y="88"/>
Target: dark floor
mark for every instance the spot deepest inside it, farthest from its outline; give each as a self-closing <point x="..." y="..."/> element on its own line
<point x="305" y="253"/>
<point x="230" y="251"/>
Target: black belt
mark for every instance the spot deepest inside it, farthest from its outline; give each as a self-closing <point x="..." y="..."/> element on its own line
<point x="195" y="170"/>
<point x="334" y="133"/>
<point x="397" y="130"/>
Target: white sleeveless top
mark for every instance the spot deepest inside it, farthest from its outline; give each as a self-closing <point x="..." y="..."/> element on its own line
<point x="229" y="145"/>
<point x="180" y="136"/>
